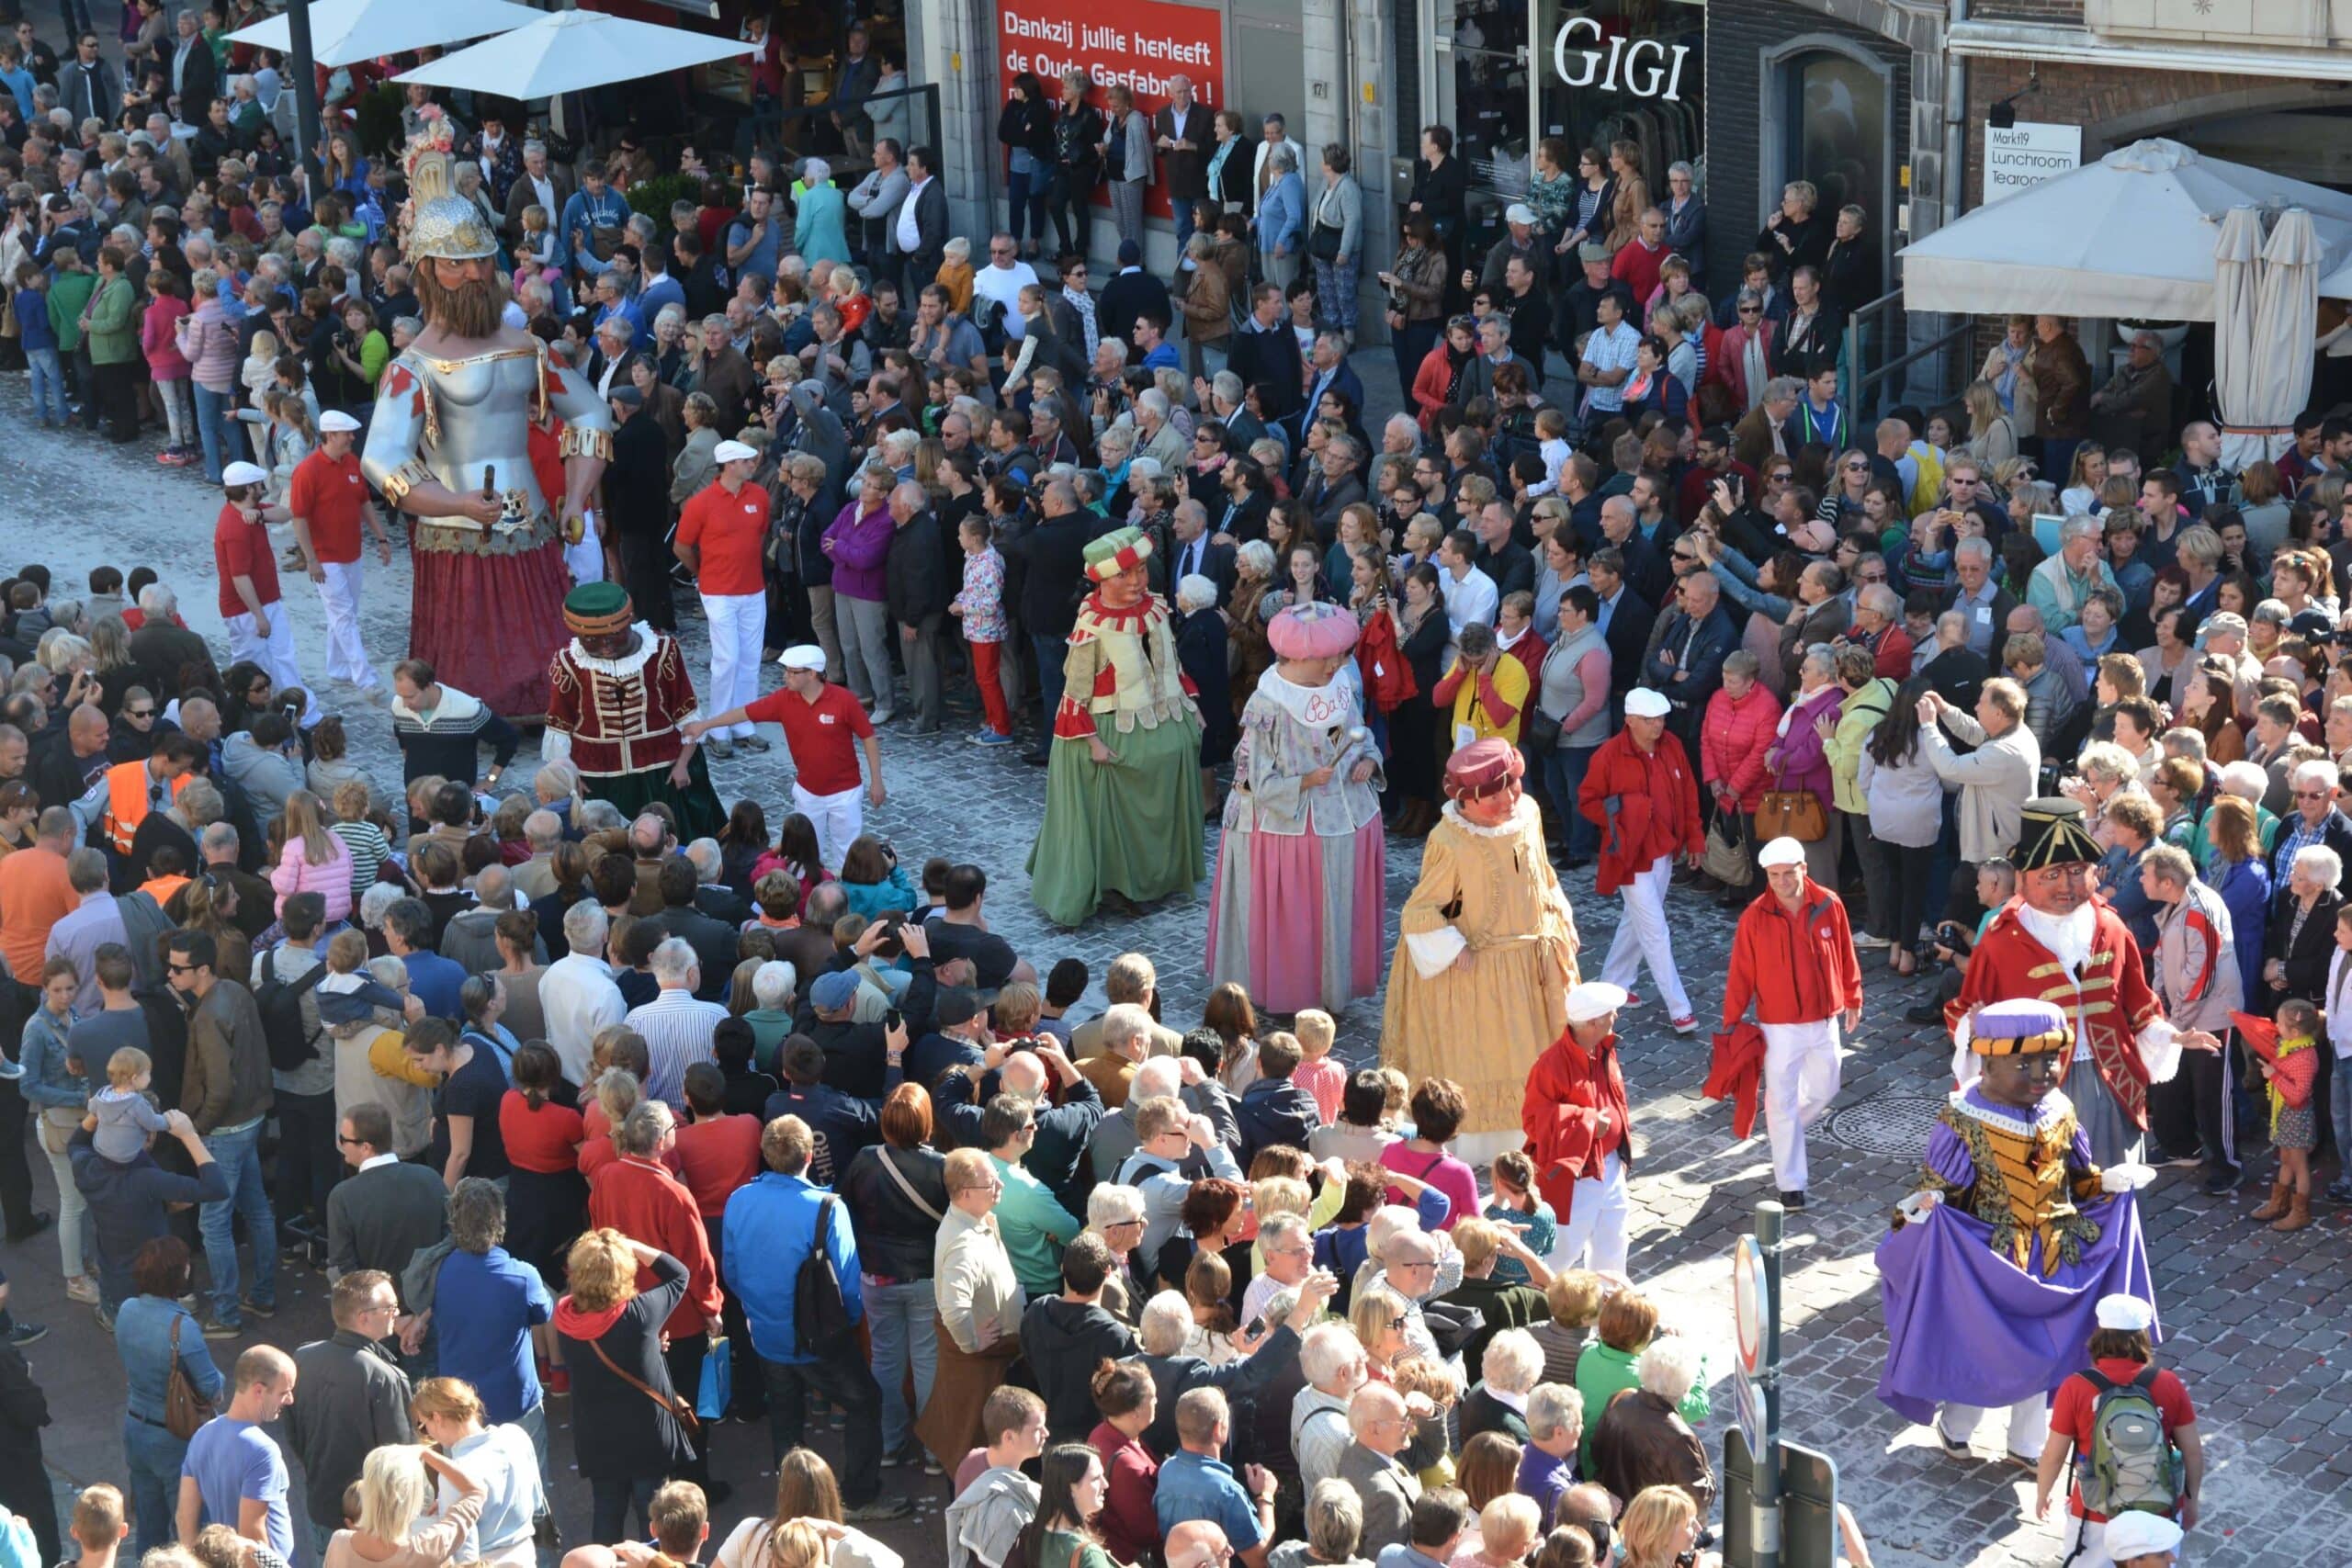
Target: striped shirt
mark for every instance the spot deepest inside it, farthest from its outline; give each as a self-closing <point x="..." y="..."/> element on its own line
<point x="369" y="850"/>
<point x="677" y="1031"/>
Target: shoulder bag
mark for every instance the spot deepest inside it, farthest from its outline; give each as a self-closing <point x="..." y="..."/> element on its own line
<point x="680" y="1408"/>
<point x="1792" y="814"/>
<point x="184" y="1409"/>
<point x="882" y="1153"/>
<point x="1726" y="856"/>
<point x="1542" y="731"/>
<point x="1323" y="239"/>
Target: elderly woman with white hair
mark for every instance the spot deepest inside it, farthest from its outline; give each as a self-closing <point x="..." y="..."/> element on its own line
<point x="1334" y="1526"/>
<point x="1555" y="1431"/>
<point x="775" y="986"/>
<point x="2300" y="941"/>
<point x="1114" y="1213"/>
<point x="1509" y="1370"/>
<point x="821" y="222"/>
<point x="1641" y="1438"/>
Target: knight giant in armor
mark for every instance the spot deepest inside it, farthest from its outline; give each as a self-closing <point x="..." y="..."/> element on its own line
<point x="449" y="445"/>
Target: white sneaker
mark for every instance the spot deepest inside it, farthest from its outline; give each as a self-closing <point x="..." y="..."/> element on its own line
<point x="1869" y="943"/>
<point x="81" y="1288"/>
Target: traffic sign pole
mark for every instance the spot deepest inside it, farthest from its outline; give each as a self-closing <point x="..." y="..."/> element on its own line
<point x="1765" y="1508"/>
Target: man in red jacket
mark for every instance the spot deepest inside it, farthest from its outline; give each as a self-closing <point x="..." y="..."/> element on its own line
<point x="1576" y="1128"/>
<point x="1793" y="957"/>
<point x="1642" y="794"/>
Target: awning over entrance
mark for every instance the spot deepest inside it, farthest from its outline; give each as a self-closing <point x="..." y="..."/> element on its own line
<point x="2132" y="235"/>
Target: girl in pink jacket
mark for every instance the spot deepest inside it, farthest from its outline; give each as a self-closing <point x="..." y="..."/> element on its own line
<point x="315" y="860"/>
<point x="166" y="366"/>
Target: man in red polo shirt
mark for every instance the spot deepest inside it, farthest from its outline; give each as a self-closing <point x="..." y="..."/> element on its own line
<point x="823" y="727"/>
<point x="722" y="532"/>
<point x="259" y="629"/>
<point x="327" y="498"/>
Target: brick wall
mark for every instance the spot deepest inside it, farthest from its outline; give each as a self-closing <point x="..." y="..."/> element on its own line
<point x="1738" y="32"/>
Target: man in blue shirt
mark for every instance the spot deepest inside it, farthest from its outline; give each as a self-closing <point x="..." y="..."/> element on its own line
<point x="770" y="1227"/>
<point x="485" y="1303"/>
<point x="614" y="303"/>
<point x="1195" y="1484"/>
<point x="595" y="205"/>
<point x="233" y="1475"/>
<point x="432" y="979"/>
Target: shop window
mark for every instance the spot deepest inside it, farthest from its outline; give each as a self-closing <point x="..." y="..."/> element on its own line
<point x="1834" y="131"/>
<point x="1625" y="71"/>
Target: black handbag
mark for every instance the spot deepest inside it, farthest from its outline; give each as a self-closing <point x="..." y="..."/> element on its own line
<point x="1323" y="242"/>
<point x="1543" y="732"/>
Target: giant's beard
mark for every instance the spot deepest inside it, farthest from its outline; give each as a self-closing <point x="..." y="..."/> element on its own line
<point x="472" y="311"/>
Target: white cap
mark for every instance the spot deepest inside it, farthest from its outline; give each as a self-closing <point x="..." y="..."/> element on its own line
<point x="1518" y="212"/>
<point x="735" y="452"/>
<point x="1594" y="999"/>
<point x="1643" y="702"/>
<point x="803" y="656"/>
<point x="336" y="418"/>
<point x="2139" y="1534"/>
<point x="244" y="474"/>
<point x="2128" y="1313"/>
<point x="1782" y="850"/>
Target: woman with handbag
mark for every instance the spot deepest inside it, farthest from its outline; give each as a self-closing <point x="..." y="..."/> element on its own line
<point x="897" y="1193"/>
<point x="1797" y="805"/>
<point x="1742" y="718"/>
<point x="172" y="1380"/>
<point x="1416" y="285"/>
<point x="1571" y="719"/>
<point x="1335" y="238"/>
<point x="631" y="1430"/>
<point x="1868" y="696"/>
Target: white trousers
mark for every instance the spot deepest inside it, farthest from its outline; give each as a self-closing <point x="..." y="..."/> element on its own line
<point x="839" y="819"/>
<point x="1642" y="937"/>
<point x="2028" y="1425"/>
<point x="2085" y="1543"/>
<point x="737" y="622"/>
<point x="273" y="653"/>
<point x="346" y="659"/>
<point x="1800" y="1080"/>
<point x="1595" y="1223"/>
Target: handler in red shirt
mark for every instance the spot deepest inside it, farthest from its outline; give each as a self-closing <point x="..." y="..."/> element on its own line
<point x="1793" y="957"/>
<point x="722" y="532"/>
<point x="1641" y="792"/>
<point x="328" y="500"/>
<point x="2121" y="1351"/>
<point x="1576" y="1122"/>
<point x="823" y="727"/>
<point x="258" y="627"/>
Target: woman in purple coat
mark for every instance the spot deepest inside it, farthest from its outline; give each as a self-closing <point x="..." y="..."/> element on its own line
<point x="1799" y="758"/>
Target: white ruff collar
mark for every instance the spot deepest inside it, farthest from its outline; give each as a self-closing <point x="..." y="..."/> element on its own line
<point x="2009" y="1121"/>
<point x="628" y="664"/>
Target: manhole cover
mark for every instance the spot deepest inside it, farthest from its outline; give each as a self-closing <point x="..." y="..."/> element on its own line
<point x="1893" y="1124"/>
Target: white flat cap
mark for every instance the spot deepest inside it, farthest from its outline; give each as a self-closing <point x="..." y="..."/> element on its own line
<point x="735" y="452"/>
<point x="1643" y="702"/>
<point x="803" y="656"/>
<point x="2129" y="1315"/>
<point x="1594" y="999"/>
<point x="2138" y="1534"/>
<point x="336" y="418"/>
<point x="244" y="474"/>
<point x="1518" y="212"/>
<point x="1782" y="850"/>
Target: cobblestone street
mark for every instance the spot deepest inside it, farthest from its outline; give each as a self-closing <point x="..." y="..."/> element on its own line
<point x="2255" y="1321"/>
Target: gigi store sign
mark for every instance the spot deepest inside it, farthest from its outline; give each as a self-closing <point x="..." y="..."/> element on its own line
<point x="1643" y="67"/>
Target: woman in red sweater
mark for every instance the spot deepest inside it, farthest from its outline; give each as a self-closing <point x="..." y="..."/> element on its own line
<point x="1739" y="729"/>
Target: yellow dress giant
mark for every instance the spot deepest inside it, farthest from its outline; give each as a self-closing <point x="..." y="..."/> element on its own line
<point x="1492" y="891"/>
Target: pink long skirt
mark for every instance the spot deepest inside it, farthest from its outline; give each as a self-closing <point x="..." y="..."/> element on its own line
<point x="1297" y="920"/>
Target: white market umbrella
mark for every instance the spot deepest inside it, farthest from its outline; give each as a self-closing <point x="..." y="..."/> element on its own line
<point x="569" y="52"/>
<point x="344" y="32"/>
<point x="2285" y="320"/>
<point x="2130" y="235"/>
<point x="2237" y="261"/>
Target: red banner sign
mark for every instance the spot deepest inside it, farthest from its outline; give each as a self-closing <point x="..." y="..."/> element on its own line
<point x="1139" y="44"/>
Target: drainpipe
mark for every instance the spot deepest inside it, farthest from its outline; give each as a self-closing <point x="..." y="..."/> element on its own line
<point x="1955" y="116"/>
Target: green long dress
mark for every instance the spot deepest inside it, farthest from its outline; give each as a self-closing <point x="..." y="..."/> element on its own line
<point x="1132" y="825"/>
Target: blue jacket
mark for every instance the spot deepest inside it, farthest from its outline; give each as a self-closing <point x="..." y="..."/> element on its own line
<point x="1273" y="1111"/>
<point x="820" y="227"/>
<point x="126" y="1205"/>
<point x="582" y="214"/>
<point x="142" y="1337"/>
<point x="1282" y="215"/>
<point x="770" y="1227"/>
<point x="33" y="320"/>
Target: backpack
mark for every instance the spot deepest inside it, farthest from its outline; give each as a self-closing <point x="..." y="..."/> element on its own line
<point x="820" y="1316"/>
<point x="292" y="1043"/>
<point x="1928" y="487"/>
<point x="2128" y="1461"/>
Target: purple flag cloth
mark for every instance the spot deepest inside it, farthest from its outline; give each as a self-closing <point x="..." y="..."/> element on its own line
<point x="1965" y="1325"/>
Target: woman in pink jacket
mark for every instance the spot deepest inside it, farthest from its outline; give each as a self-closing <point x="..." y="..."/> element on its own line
<point x="315" y="860"/>
<point x="1737" y="732"/>
<point x="166" y="366"/>
<point x="209" y="341"/>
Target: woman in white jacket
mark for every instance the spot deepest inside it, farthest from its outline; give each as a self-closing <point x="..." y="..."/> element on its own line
<point x="1906" y="803"/>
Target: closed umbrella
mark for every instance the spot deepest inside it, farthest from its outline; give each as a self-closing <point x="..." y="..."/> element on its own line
<point x="569" y="52"/>
<point x="2285" y="320"/>
<point x="2238" y="260"/>
<point x="344" y="32"/>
